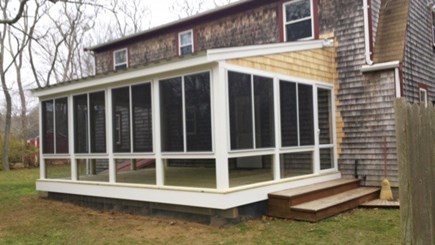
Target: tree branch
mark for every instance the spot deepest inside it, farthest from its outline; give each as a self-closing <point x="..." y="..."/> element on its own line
<point x="17" y="16"/>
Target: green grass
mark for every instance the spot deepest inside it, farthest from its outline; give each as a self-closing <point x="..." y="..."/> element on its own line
<point x="25" y="218"/>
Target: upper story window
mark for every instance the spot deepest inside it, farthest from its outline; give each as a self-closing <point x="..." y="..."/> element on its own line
<point x="298" y="20"/>
<point x="120" y="59"/>
<point x="423" y="96"/>
<point x="185" y="40"/>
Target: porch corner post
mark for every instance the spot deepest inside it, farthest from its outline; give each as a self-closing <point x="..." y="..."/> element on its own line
<point x="42" y="172"/>
<point x="109" y="138"/>
<point x="74" y="170"/>
<point x="221" y="126"/>
<point x="160" y="173"/>
<point x="316" y="132"/>
<point x="277" y="159"/>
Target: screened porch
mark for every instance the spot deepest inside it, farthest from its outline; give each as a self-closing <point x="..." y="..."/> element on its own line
<point x="215" y="127"/>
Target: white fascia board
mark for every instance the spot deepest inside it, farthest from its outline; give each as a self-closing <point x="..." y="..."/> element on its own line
<point x="181" y="196"/>
<point x="380" y="66"/>
<point x="212" y="56"/>
<point x="125" y="76"/>
<point x="265" y="49"/>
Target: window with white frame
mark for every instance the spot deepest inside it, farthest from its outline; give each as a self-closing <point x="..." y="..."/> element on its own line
<point x="132" y="118"/>
<point x="90" y="123"/>
<point x="298" y="20"/>
<point x="120" y="59"/>
<point x="251" y="107"/>
<point x="55" y="126"/>
<point x="297" y="120"/>
<point x="423" y="96"/>
<point x="185" y="42"/>
<point x="185" y="113"/>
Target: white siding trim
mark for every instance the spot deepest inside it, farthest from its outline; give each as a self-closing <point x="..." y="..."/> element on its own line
<point x="205" y="198"/>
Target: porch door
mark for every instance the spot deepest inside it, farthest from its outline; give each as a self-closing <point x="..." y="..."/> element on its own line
<point x="325" y="126"/>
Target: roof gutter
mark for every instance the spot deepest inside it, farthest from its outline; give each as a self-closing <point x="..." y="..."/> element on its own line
<point x="387" y="66"/>
<point x="368" y="52"/>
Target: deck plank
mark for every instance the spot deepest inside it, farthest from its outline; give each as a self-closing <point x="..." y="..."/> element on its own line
<point x="311" y="188"/>
<point x="334" y="200"/>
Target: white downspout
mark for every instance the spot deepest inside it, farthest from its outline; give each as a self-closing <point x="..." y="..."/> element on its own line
<point x="368" y="52"/>
<point x="397" y="82"/>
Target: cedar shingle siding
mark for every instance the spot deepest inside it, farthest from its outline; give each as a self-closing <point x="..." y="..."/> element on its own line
<point x="419" y="60"/>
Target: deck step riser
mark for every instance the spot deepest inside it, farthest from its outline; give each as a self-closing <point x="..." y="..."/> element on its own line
<point x="326" y="213"/>
<point x="319" y="201"/>
<point x="322" y="193"/>
<point x="278" y="205"/>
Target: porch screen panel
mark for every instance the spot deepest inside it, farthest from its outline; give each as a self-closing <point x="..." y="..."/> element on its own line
<point x="121" y="119"/>
<point x="61" y="107"/>
<point x="98" y="122"/>
<point x="325" y="117"/>
<point x="198" y="112"/>
<point x="48" y="127"/>
<point x="264" y="112"/>
<point x="289" y="117"/>
<point x="81" y="123"/>
<point x="306" y="117"/>
<point x="142" y="118"/>
<point x="171" y="115"/>
<point x="240" y="103"/>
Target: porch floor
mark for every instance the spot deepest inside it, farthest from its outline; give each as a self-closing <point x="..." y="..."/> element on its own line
<point x="190" y="177"/>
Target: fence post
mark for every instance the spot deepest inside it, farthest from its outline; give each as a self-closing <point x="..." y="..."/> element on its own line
<point x="415" y="131"/>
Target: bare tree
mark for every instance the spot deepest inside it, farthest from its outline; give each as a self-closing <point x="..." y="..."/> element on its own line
<point x="185" y="8"/>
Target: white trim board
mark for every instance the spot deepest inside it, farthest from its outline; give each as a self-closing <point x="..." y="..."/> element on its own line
<point x="216" y="200"/>
<point x="212" y="56"/>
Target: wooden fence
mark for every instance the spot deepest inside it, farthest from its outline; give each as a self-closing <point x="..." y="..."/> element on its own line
<point x="415" y="129"/>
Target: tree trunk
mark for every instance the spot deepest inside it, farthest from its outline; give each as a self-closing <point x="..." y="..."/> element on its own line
<point x="7" y="133"/>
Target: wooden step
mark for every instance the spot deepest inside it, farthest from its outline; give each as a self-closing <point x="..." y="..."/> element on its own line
<point x="314" y="211"/>
<point x="279" y="202"/>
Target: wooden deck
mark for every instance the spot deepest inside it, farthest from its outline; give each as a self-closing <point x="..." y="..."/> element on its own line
<point x="315" y="202"/>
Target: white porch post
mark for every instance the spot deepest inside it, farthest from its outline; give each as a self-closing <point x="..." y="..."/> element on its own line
<point x="316" y="132"/>
<point x="42" y="172"/>
<point x="277" y="111"/>
<point x="221" y="127"/>
<point x="74" y="174"/>
<point x="109" y="137"/>
<point x="160" y="174"/>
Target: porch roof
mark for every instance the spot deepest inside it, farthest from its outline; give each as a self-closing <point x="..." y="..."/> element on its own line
<point x="180" y="62"/>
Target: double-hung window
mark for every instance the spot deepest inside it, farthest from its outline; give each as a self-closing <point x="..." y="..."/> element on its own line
<point x="185" y="40"/>
<point x="298" y="20"/>
<point x="120" y="59"/>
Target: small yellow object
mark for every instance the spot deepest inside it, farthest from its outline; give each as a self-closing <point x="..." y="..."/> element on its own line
<point x="386" y="193"/>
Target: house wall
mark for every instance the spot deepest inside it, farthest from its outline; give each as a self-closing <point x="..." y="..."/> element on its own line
<point x="253" y="26"/>
<point x="419" y="60"/>
<point x="376" y="8"/>
<point x="364" y="100"/>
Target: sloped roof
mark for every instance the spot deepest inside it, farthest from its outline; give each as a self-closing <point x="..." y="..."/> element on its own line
<point x="390" y="37"/>
<point x="183" y="62"/>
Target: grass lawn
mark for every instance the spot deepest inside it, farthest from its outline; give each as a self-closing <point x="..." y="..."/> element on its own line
<point x="26" y="218"/>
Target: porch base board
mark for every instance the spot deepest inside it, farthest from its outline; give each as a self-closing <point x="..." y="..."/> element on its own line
<point x="213" y="217"/>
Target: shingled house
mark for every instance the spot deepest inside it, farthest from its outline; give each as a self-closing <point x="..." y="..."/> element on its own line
<point x="218" y="110"/>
